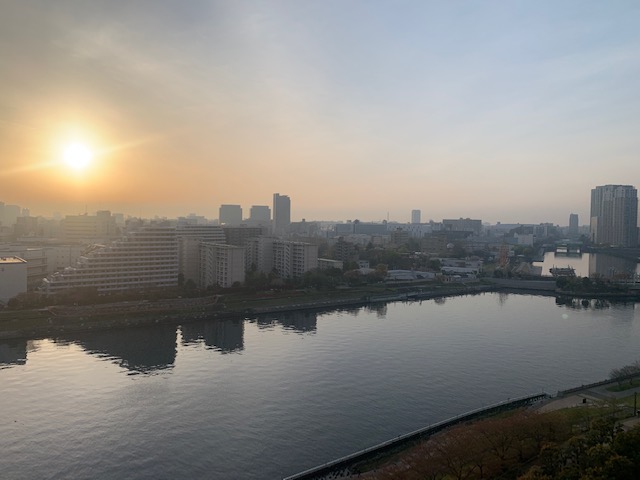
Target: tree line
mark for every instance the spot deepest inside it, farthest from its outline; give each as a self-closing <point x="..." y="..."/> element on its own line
<point x="574" y="444"/>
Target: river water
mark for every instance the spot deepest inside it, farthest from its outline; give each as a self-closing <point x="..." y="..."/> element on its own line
<point x="268" y="397"/>
<point x="590" y="264"/>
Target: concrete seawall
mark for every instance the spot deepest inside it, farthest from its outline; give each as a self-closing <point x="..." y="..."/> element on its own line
<point x="540" y="286"/>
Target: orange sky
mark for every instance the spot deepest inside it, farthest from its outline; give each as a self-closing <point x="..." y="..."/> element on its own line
<point x="503" y="113"/>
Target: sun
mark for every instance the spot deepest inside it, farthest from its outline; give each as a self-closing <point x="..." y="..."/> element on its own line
<point x="77" y="156"/>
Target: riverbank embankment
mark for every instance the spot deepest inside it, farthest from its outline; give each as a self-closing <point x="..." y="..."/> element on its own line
<point x="55" y="320"/>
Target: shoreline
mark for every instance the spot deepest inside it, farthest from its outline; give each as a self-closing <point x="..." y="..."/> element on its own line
<point x="54" y="320"/>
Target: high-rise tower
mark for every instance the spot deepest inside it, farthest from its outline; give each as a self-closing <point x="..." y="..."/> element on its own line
<point x="573" y="224"/>
<point x="614" y="215"/>
<point x="260" y="215"/>
<point x="281" y="213"/>
<point x="230" y="214"/>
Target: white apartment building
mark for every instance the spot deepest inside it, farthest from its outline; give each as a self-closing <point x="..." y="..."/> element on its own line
<point x="43" y="260"/>
<point x="13" y="277"/>
<point x="189" y="239"/>
<point x="221" y="265"/>
<point x="61" y="256"/>
<point x="293" y="259"/>
<point x="259" y="253"/>
<point x="143" y="259"/>
<point x="36" y="261"/>
<point x="289" y="259"/>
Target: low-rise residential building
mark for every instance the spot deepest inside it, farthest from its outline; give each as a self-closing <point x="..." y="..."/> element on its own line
<point x="465" y="265"/>
<point x="408" y="276"/>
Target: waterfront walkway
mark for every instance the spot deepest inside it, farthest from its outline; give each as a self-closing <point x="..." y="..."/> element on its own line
<point x="589" y="395"/>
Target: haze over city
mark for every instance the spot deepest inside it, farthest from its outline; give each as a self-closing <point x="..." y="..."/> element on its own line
<point x="506" y="112"/>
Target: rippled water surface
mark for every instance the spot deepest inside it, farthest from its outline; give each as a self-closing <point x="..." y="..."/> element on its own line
<point x="266" y="398"/>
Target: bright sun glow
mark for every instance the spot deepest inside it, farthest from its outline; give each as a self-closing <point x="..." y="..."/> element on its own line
<point x="77" y="156"/>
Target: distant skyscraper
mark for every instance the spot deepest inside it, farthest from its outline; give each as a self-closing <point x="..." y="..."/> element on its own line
<point x="281" y="212"/>
<point x="96" y="228"/>
<point x="11" y="214"/>
<point x="415" y="216"/>
<point x="573" y="224"/>
<point x="614" y="215"/>
<point x="260" y="215"/>
<point x="230" y="215"/>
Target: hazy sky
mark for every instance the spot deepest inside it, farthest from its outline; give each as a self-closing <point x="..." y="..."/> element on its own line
<point x="505" y="111"/>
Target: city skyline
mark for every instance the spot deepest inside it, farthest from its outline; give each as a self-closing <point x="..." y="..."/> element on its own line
<point x="256" y="214"/>
<point x="503" y="112"/>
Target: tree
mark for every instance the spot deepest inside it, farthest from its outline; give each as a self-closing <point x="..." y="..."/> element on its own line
<point x="380" y="272"/>
<point x="620" y="374"/>
<point x="434" y="264"/>
<point x="457" y="457"/>
<point x="353" y="277"/>
<point x="627" y="444"/>
<point x="535" y="473"/>
<point x="350" y="265"/>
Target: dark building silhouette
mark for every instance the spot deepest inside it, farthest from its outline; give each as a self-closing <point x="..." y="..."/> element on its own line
<point x="281" y="213"/>
<point x="224" y="335"/>
<point x="140" y="349"/>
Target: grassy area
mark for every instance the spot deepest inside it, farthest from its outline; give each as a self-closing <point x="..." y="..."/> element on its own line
<point x="629" y="401"/>
<point x="284" y="297"/>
